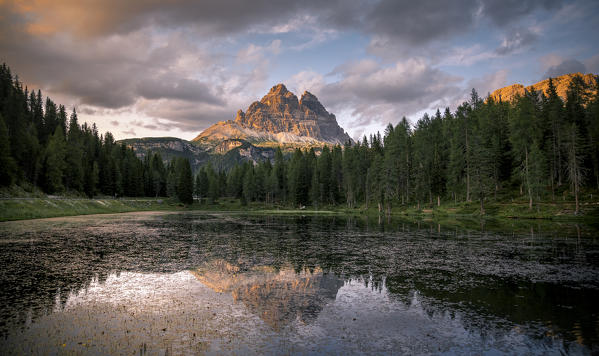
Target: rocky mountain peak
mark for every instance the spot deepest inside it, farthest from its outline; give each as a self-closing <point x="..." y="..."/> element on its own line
<point x="280" y="117"/>
<point x="310" y="102"/>
<point x="279" y="89"/>
<point x="240" y="117"/>
<point x="279" y="99"/>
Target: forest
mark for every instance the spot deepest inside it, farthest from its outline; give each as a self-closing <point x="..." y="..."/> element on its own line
<point x="538" y="147"/>
<point x="43" y="146"/>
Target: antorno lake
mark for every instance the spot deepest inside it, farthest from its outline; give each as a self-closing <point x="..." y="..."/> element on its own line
<point x="226" y="283"/>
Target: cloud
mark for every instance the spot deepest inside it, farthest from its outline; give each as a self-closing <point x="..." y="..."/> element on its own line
<point x="188" y="117"/>
<point x="565" y="67"/>
<point x="592" y="64"/>
<point x="412" y="22"/>
<point x="417" y="22"/>
<point x="221" y="18"/>
<point x="165" y="61"/>
<point x="374" y="94"/>
<point x="129" y="132"/>
<point x="504" y="12"/>
<point x="254" y="53"/>
<point x="515" y="40"/>
<point x="164" y="87"/>
<point x="486" y="84"/>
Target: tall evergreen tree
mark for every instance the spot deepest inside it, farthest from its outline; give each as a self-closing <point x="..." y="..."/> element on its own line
<point x="8" y="170"/>
<point x="185" y="183"/>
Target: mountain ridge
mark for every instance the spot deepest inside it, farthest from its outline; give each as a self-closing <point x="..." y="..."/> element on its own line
<point x="279" y="117"/>
<point x="561" y="83"/>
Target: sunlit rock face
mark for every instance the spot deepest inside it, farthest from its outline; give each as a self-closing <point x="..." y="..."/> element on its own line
<point x="561" y="84"/>
<point x="279" y="117"/>
<point x="277" y="296"/>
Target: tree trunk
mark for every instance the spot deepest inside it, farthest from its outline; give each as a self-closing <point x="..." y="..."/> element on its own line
<point x="576" y="185"/>
<point x="552" y="187"/>
<point x="467" y="185"/>
<point x="528" y="180"/>
<point x="482" y="206"/>
<point x="438" y="200"/>
<point x="577" y="203"/>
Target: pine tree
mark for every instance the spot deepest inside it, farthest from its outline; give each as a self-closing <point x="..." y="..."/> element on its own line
<point x="55" y="163"/>
<point x="593" y="130"/>
<point x="202" y="184"/>
<point x="524" y="131"/>
<point x="554" y="113"/>
<point x="575" y="152"/>
<point x="74" y="155"/>
<point x="8" y="170"/>
<point x="280" y="173"/>
<point x="185" y="182"/>
<point x="249" y="183"/>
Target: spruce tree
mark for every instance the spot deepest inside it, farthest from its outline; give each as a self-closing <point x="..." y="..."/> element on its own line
<point x="8" y="170"/>
<point x="185" y="183"/>
<point x="55" y="163"/>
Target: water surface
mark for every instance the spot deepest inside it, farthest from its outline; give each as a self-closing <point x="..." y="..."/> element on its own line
<point x="181" y="283"/>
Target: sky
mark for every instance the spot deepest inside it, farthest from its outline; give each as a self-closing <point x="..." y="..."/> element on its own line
<point x="141" y="68"/>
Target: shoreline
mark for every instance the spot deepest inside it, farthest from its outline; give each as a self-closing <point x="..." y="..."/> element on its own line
<point x="17" y="209"/>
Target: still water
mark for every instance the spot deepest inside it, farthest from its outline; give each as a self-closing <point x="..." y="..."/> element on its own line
<point x="217" y="283"/>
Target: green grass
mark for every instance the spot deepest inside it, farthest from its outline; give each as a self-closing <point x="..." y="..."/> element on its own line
<point x="35" y="208"/>
<point x="36" y="205"/>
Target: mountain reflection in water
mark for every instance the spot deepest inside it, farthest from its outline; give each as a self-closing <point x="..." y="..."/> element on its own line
<point x="277" y="296"/>
<point x="188" y="283"/>
<point x="176" y="314"/>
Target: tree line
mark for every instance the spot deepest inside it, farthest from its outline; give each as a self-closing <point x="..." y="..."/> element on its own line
<point x="41" y="145"/>
<point x="537" y="146"/>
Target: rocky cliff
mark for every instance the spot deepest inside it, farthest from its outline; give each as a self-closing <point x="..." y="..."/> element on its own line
<point x="279" y="118"/>
<point x="561" y="84"/>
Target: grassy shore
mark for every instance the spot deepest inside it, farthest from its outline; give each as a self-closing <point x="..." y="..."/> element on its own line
<point x="36" y="206"/>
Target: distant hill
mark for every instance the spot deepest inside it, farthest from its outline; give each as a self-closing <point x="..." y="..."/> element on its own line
<point x="223" y="156"/>
<point x="169" y="147"/>
<point x="561" y="84"/>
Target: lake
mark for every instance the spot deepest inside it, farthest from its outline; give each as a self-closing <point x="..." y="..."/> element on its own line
<point x="222" y="283"/>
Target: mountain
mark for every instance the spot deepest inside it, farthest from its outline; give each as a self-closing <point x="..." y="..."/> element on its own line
<point x="561" y="84"/>
<point x="169" y="148"/>
<point x="279" y="118"/>
<point x="222" y="156"/>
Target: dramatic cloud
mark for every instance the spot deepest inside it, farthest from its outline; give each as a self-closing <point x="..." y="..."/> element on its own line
<point x="416" y="22"/>
<point x="184" y="64"/>
<point x="504" y="12"/>
<point x="515" y="40"/>
<point x="373" y="94"/>
<point x="565" y="67"/>
<point x="165" y="87"/>
<point x="412" y="21"/>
